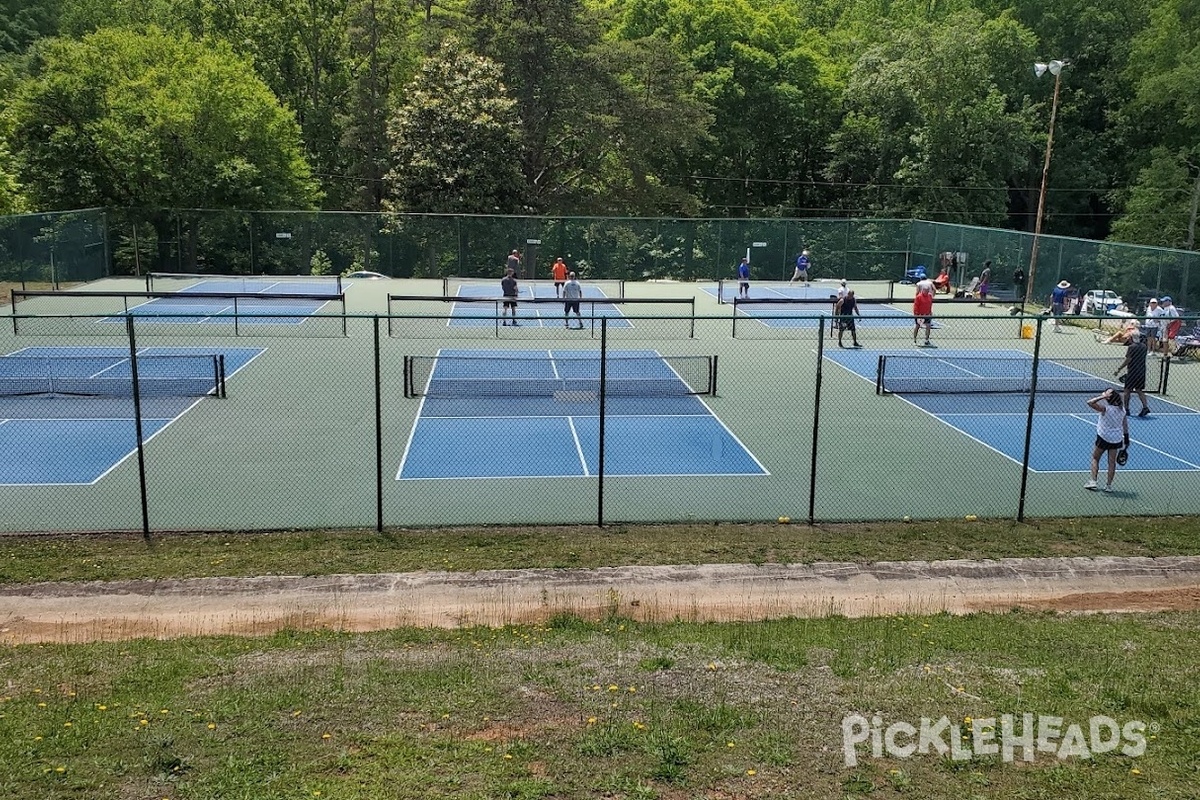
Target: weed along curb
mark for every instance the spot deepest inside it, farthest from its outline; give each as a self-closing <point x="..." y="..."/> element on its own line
<point x="78" y="612"/>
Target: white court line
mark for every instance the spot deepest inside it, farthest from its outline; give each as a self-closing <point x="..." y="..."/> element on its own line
<point x="578" y="447"/>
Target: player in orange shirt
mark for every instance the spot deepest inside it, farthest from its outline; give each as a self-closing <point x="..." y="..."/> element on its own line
<point x="559" y="271"/>
<point x="923" y="314"/>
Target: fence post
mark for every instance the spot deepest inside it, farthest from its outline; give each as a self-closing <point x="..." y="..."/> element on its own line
<point x="1037" y="347"/>
<point x="600" y="455"/>
<point x="812" y="470"/>
<point x="137" y="422"/>
<point x="378" y="434"/>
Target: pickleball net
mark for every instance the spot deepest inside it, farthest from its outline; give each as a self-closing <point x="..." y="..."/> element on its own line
<point x="159" y="375"/>
<point x="311" y="285"/>
<point x="541" y="287"/>
<point x="824" y="290"/>
<point x="573" y="378"/>
<point x="949" y="374"/>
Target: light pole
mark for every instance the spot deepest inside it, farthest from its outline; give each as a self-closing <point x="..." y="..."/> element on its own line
<point x="1055" y="68"/>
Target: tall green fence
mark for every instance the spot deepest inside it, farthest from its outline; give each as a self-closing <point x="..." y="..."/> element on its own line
<point x="79" y="246"/>
<point x="55" y="248"/>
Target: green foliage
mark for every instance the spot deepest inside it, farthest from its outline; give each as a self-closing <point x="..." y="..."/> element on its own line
<point x="454" y="138"/>
<point x="928" y="126"/>
<point x="121" y="118"/>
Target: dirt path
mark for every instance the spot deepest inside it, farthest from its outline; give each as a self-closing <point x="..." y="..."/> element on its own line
<point x="79" y="612"/>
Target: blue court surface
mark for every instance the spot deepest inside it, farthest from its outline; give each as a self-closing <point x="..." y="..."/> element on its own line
<point x="249" y="310"/>
<point x="1063" y="425"/>
<point x="544" y="433"/>
<point x="483" y="314"/>
<point x="58" y="439"/>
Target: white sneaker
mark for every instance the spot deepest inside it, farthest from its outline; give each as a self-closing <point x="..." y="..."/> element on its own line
<point x="1108" y="488"/>
<point x="1090" y="485"/>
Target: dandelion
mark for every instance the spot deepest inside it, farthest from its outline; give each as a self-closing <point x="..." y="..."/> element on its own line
<point x="66" y="724"/>
<point x="102" y="708"/>
<point x="60" y="770"/>
<point x="326" y="735"/>
<point x="212" y="726"/>
<point x="1136" y="771"/>
<point x="143" y="722"/>
<point x="41" y="705"/>
<point x="297" y="713"/>
<point x="508" y="756"/>
<point x="712" y="665"/>
<point x="595" y="687"/>
<point x="37" y="738"/>
<point x="591" y="720"/>
<point x="445" y="716"/>
<point x="730" y="744"/>
<point x="751" y="772"/>
<point x="632" y="689"/>
<point x="967" y="720"/>
<point x="612" y="687"/>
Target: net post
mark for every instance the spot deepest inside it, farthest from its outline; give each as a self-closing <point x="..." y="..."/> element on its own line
<point x="1037" y="348"/>
<point x="406" y="371"/>
<point x="219" y="366"/>
<point x="712" y="376"/>
<point x="137" y="423"/>
<point x="496" y="318"/>
<point x="692" y="313"/>
<point x="735" y="310"/>
<point x="600" y="455"/>
<point x="235" y="317"/>
<point x="1164" y="369"/>
<point x="880" y="366"/>
<point x="345" y="316"/>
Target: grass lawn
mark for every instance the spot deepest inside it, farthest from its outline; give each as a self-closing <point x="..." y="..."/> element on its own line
<point x="612" y="709"/>
<point x="98" y="557"/>
<point x="608" y="709"/>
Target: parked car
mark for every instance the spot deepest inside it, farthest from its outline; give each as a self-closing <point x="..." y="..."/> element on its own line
<point x="1099" y="302"/>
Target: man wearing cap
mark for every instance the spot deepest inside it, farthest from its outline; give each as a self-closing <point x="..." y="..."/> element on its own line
<point x="1134" y="367"/>
<point x="1169" y="325"/>
<point x="1058" y="302"/>
<point x="801" y="273"/>
<point x="1151" y="326"/>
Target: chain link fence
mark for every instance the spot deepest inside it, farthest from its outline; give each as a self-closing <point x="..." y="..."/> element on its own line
<point x="421" y="420"/>
<point x="65" y="248"/>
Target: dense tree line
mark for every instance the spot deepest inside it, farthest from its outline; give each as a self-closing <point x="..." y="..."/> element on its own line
<point x="741" y="108"/>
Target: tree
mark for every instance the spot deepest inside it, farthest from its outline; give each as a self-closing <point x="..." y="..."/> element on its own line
<point x="932" y="127"/>
<point x="454" y="138"/>
<point x="122" y="118"/>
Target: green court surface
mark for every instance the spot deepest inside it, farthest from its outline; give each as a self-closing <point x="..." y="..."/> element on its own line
<point x="300" y="441"/>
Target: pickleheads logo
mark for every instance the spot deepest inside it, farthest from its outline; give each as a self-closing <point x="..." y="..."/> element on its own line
<point x="1008" y="736"/>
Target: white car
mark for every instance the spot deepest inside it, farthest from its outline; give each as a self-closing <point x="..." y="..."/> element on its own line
<point x="1104" y="301"/>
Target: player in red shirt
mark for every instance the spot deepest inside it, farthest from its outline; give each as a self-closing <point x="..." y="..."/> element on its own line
<point x="923" y="313"/>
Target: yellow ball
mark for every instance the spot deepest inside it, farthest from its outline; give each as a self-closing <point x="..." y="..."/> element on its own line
<point x="784" y="520"/>
<point x="971" y="517"/>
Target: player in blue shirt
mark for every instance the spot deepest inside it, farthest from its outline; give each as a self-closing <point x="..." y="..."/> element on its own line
<point x="1058" y="303"/>
<point x="801" y="273"/>
<point x="743" y="273"/>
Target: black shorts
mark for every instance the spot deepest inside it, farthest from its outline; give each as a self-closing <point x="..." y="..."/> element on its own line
<point x="559" y="284"/>
<point x="1104" y="444"/>
<point x="1135" y="381"/>
<point x="510" y="303"/>
<point x="926" y="321"/>
<point x="571" y="306"/>
<point x="846" y="324"/>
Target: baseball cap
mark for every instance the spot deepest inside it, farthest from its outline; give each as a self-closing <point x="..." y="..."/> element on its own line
<point x="1153" y="299"/>
<point x="843" y="281"/>
<point x="1167" y="299"/>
